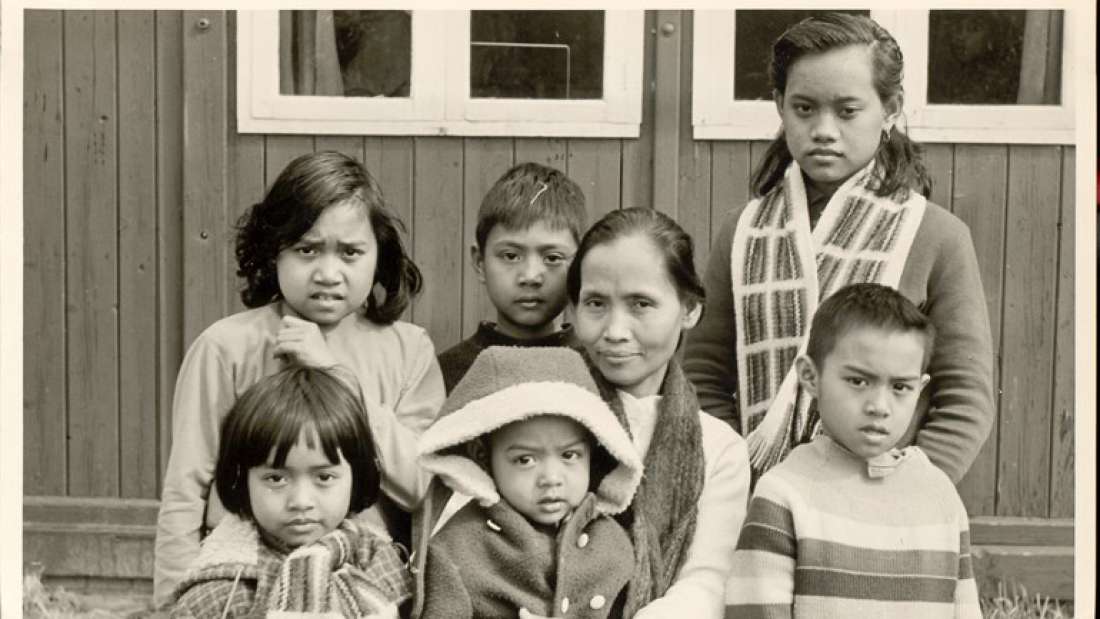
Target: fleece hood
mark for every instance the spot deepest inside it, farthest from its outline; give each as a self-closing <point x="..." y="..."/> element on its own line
<point x="507" y="384"/>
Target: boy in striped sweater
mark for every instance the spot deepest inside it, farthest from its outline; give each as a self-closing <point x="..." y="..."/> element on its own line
<point x="848" y="525"/>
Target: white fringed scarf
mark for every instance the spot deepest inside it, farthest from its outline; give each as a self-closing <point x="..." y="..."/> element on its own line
<point x="781" y="271"/>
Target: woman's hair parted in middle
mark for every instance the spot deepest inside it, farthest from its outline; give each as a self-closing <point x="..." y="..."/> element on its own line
<point x="306" y="187"/>
<point x="666" y="235"/>
<point x="272" y="414"/>
<point x="898" y="163"/>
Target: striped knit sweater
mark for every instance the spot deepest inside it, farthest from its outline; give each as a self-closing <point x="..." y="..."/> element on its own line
<point x="822" y="539"/>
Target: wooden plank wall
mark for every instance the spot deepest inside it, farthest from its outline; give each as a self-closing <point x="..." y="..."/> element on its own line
<point x="134" y="176"/>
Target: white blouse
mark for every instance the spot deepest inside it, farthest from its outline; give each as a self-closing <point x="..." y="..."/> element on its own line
<point x="699" y="588"/>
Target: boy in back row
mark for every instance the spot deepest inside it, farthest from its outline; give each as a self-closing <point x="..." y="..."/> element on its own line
<point x="528" y="228"/>
<point x="848" y="525"/>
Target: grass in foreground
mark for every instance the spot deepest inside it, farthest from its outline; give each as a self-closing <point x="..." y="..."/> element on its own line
<point x="1015" y="603"/>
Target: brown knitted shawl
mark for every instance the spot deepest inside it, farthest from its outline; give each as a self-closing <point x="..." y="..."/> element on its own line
<point x="661" y="520"/>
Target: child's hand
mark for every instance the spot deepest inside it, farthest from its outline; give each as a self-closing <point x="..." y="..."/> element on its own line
<point x="301" y="341"/>
<point x="526" y="614"/>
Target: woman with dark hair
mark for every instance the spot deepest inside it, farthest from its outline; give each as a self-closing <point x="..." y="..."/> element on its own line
<point x="635" y="291"/>
<point x="841" y="199"/>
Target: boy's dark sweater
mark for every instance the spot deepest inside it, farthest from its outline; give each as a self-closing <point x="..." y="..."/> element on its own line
<point x="456" y="360"/>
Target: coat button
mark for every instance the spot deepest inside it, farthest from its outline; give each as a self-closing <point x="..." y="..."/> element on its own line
<point x="582" y="540"/>
<point x="492" y="525"/>
<point x="598" y="602"/>
<point x="564" y="605"/>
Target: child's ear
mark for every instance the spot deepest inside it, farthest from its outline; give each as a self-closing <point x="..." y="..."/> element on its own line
<point x="478" y="261"/>
<point x="924" y="379"/>
<point x="893" y="107"/>
<point x="807" y="374"/>
<point x="691" y="318"/>
<point x="778" y="98"/>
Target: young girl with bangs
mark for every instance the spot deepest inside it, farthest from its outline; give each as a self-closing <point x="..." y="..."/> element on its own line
<point x="295" y="466"/>
<point x="841" y="200"/>
<point x="326" y="277"/>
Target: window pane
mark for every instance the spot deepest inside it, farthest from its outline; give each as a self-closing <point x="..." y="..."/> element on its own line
<point x="755" y="32"/>
<point x="995" y="57"/>
<point x="345" y="53"/>
<point x="536" y="54"/>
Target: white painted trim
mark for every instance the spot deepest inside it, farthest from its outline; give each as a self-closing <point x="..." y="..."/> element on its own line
<point x="440" y="104"/>
<point x="717" y="116"/>
<point x="258" y="36"/>
<point x="442" y="128"/>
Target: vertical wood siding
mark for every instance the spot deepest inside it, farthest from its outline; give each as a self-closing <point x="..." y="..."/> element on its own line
<point x="133" y="183"/>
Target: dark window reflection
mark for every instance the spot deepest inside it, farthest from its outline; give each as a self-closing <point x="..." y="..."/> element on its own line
<point x="995" y="57"/>
<point x="536" y="54"/>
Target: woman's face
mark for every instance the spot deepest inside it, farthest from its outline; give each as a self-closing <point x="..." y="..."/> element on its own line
<point x="629" y="315"/>
<point x="832" y="116"/>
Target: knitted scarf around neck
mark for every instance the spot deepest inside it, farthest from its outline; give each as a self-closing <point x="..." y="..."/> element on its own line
<point x="662" y="518"/>
<point x="781" y="271"/>
<point x="348" y="572"/>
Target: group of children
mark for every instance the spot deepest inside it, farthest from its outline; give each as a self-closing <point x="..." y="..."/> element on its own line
<point x="569" y="470"/>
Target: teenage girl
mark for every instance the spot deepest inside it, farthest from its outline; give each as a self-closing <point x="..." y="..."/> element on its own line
<point x="296" y="462"/>
<point x="841" y="200"/>
<point x="635" y="291"/>
<point x="327" y="277"/>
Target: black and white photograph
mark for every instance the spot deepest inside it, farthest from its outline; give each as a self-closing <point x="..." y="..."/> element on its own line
<point x="761" y="311"/>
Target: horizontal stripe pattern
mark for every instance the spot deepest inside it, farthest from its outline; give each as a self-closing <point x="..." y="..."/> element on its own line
<point x="815" y="553"/>
<point x="823" y="540"/>
<point x="865" y="585"/>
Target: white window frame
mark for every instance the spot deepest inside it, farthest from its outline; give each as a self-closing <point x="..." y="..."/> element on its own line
<point x="717" y="116"/>
<point x="439" y="101"/>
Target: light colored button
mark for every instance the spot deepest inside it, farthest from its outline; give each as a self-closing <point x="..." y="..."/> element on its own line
<point x="492" y="525"/>
<point x="565" y="605"/>
<point x="598" y="602"/>
<point x="582" y="540"/>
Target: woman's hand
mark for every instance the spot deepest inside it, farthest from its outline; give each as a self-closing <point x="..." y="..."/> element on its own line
<point x="301" y="341"/>
<point x="526" y="614"/>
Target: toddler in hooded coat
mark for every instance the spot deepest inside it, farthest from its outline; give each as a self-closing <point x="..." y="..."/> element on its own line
<point x="546" y="464"/>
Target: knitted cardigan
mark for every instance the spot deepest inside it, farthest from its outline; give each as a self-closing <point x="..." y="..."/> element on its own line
<point x="941" y="276"/>
<point x="823" y="539"/>
<point x="349" y="572"/>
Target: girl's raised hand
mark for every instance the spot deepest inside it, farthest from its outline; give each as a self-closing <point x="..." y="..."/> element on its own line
<point x="301" y="341"/>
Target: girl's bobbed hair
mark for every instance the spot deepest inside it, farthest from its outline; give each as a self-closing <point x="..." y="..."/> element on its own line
<point x="666" y="235"/>
<point x="898" y="164"/>
<point x="306" y="187"/>
<point x="272" y="415"/>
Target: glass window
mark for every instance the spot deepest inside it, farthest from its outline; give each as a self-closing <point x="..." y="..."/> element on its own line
<point x="995" y="57"/>
<point x="536" y="54"/>
<point x="756" y="31"/>
<point x="345" y="53"/>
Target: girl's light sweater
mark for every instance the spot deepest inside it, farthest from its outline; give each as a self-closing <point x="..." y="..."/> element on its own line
<point x="825" y="540"/>
<point x="698" y="588"/>
<point x="397" y="373"/>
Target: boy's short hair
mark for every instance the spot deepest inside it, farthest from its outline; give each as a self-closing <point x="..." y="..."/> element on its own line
<point x="271" y="415"/>
<point x="866" y="305"/>
<point x="530" y="193"/>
